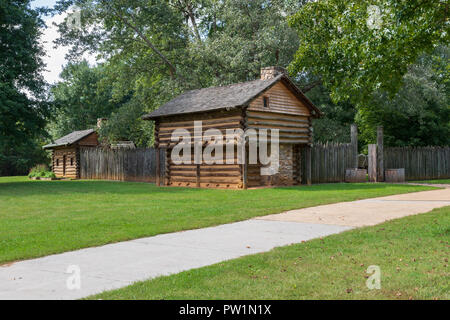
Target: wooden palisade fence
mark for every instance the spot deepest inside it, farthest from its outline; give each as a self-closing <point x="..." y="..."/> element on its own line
<point x="121" y="164"/>
<point x="330" y="160"/>
<point x="420" y="163"/>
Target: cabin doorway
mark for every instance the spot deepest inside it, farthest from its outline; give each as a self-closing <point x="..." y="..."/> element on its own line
<point x="64" y="165"/>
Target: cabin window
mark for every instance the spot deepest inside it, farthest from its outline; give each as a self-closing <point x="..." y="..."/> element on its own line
<point x="57" y="162"/>
<point x="266" y="102"/>
<point x="71" y="161"/>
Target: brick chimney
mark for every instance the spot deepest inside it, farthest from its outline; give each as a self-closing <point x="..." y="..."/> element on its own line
<point x="100" y="122"/>
<point x="271" y="72"/>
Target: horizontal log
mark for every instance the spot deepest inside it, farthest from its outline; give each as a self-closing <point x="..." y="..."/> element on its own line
<point x="305" y="130"/>
<point x="277" y="116"/>
<point x="225" y="125"/>
<point x="204" y="121"/>
<point x="276" y="124"/>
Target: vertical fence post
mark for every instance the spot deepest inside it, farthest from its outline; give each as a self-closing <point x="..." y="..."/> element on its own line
<point x="198" y="176"/>
<point x="354" y="143"/>
<point x="372" y="162"/>
<point x="380" y="154"/>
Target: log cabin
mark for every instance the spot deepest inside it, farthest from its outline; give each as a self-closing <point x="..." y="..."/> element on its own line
<point x="271" y="102"/>
<point x="65" y="152"/>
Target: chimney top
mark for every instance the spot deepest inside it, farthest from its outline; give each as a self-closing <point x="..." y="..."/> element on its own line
<point x="100" y="121"/>
<point x="271" y="72"/>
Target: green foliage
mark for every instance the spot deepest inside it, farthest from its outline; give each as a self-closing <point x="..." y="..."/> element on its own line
<point x="155" y="50"/>
<point x="127" y="124"/>
<point x="419" y="114"/>
<point x="81" y="98"/>
<point x="41" y="171"/>
<point x="358" y="49"/>
<point x="23" y="107"/>
<point x="225" y="42"/>
<point x="334" y="125"/>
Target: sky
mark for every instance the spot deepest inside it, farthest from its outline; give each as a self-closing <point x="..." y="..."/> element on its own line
<point x="55" y="57"/>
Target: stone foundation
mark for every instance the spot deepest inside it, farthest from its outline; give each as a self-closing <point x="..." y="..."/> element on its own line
<point x="285" y="175"/>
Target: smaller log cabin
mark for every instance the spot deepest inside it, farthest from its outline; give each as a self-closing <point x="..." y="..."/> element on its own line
<point x="271" y="102"/>
<point x="66" y="155"/>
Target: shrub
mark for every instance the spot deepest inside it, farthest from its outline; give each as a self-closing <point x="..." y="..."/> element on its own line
<point x="49" y="174"/>
<point x="41" y="170"/>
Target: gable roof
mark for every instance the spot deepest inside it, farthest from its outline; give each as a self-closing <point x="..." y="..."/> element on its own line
<point x="69" y="139"/>
<point x="225" y="97"/>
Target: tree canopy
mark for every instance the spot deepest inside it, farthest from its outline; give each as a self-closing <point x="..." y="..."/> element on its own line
<point x="24" y="109"/>
<point x="359" y="47"/>
<point x="381" y="62"/>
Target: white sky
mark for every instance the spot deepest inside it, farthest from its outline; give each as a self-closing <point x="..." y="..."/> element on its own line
<point x="55" y="57"/>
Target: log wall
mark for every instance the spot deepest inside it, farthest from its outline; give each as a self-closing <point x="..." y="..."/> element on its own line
<point x="201" y="175"/>
<point x="281" y="100"/>
<point x="71" y="165"/>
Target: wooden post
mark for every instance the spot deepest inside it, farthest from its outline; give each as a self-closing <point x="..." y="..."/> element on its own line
<point x="308" y="164"/>
<point x="354" y="143"/>
<point x="244" y="168"/>
<point x="380" y="154"/>
<point x="372" y="162"/>
<point x="158" y="167"/>
<point x="198" y="176"/>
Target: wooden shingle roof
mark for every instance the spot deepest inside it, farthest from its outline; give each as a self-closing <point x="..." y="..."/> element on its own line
<point x="69" y="139"/>
<point x="224" y="97"/>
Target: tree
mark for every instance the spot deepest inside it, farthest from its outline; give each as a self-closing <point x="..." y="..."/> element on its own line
<point x="81" y="98"/>
<point x="419" y="114"/>
<point x="359" y="47"/>
<point x="154" y="50"/>
<point x="23" y="107"/>
<point x="334" y="125"/>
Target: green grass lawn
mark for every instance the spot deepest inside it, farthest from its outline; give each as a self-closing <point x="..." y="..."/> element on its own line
<point x="437" y="181"/>
<point x="412" y="254"/>
<point x="39" y="218"/>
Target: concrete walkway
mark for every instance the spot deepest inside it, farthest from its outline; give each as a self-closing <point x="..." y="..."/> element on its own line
<point x="118" y="265"/>
<point x="367" y="212"/>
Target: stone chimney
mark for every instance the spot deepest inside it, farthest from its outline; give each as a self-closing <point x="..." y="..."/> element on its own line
<point x="271" y="72"/>
<point x="100" y="122"/>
